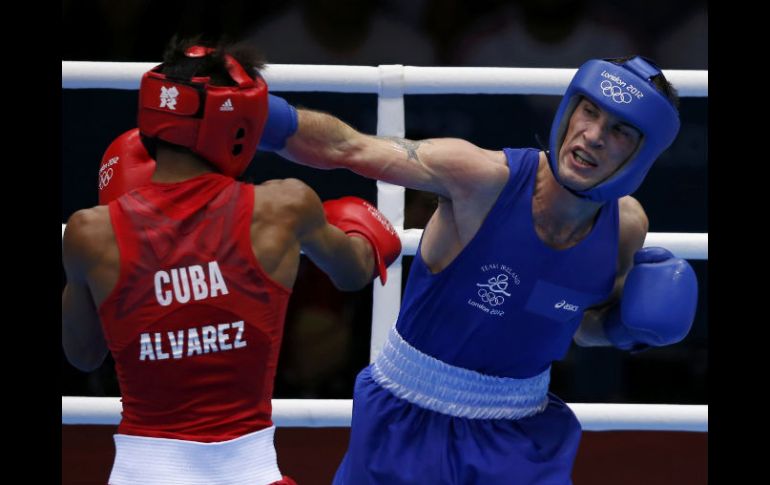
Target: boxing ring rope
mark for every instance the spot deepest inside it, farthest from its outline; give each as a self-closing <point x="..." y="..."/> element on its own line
<point x="685" y="245"/>
<point x="391" y="83"/>
<point x="336" y="413"/>
<point x="368" y="79"/>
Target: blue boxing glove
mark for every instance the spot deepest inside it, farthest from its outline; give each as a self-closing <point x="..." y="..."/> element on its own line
<point x="281" y="124"/>
<point x="658" y="303"/>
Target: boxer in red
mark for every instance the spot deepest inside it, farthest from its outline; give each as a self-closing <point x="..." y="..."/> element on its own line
<point x="184" y="273"/>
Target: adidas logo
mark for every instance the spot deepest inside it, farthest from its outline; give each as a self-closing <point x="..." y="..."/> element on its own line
<point x="226" y="106"/>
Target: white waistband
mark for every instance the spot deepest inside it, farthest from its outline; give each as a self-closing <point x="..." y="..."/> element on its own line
<point x="249" y="459"/>
<point x="432" y="384"/>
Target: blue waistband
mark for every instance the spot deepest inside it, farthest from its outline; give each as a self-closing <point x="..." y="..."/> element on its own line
<point x="432" y="384"/>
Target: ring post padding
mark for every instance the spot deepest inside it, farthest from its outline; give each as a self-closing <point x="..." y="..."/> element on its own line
<point x="390" y="201"/>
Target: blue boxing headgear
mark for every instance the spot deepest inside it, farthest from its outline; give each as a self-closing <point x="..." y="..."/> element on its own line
<point x="626" y="91"/>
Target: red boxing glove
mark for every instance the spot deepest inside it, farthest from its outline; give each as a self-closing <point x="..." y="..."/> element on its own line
<point x="357" y="216"/>
<point x="125" y="165"/>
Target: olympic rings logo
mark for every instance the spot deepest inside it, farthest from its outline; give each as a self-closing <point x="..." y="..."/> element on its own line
<point x="104" y="178"/>
<point x="612" y="91"/>
<point x="490" y="297"/>
<point x="495" y="285"/>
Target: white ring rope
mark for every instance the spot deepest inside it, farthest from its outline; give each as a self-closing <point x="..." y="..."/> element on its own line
<point x="683" y="244"/>
<point x="336" y="413"/>
<point x="367" y="79"/>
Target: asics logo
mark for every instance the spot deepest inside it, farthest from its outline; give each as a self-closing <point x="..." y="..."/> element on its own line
<point x="168" y="97"/>
<point x="612" y="91"/>
<point x="566" y="306"/>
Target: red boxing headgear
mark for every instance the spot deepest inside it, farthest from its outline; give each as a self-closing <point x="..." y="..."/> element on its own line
<point x="222" y="124"/>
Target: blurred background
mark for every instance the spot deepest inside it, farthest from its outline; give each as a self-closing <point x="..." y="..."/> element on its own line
<point x="326" y="340"/>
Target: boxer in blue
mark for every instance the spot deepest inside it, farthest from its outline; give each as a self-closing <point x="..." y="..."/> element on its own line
<point x="527" y="250"/>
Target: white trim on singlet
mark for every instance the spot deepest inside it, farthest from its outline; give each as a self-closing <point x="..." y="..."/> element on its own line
<point x="249" y="459"/>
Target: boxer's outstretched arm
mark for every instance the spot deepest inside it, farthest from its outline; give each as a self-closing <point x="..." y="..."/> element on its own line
<point x="446" y="166"/>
